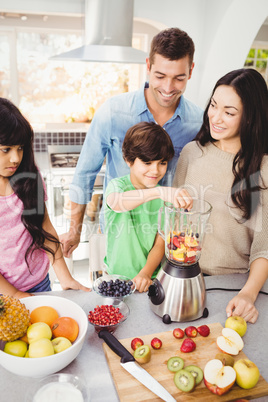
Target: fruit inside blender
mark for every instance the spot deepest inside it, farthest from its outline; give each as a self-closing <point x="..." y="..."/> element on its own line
<point x="183" y="247"/>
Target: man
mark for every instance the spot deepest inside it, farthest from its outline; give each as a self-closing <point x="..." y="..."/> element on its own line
<point x="169" y="67"/>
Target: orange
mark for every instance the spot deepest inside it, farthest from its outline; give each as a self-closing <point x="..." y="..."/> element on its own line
<point x="66" y="327"/>
<point x="45" y="314"/>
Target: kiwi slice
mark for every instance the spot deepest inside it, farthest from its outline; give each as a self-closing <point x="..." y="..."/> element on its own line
<point x="142" y="354"/>
<point x="184" y="380"/>
<point x="175" y="363"/>
<point x="197" y="372"/>
<point x="227" y="360"/>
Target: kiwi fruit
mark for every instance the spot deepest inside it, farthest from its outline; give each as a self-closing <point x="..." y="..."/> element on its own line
<point x="142" y="354"/>
<point x="227" y="360"/>
<point x="175" y="363"/>
<point x="184" y="380"/>
<point x="197" y="372"/>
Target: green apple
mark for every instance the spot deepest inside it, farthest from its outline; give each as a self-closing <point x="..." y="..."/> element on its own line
<point x="237" y="323"/>
<point x="247" y="373"/>
<point x="16" y="348"/>
<point x="41" y="348"/>
<point x="37" y="331"/>
<point x="60" y="343"/>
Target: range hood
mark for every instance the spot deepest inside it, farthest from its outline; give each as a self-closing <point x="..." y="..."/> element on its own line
<point x="108" y="34"/>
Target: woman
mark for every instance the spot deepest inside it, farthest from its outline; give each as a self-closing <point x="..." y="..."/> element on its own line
<point x="227" y="165"/>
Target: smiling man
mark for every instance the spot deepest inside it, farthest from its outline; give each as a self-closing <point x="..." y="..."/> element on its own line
<point x="160" y="100"/>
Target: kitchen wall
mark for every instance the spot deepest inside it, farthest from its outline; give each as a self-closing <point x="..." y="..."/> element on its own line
<point x="223" y="30"/>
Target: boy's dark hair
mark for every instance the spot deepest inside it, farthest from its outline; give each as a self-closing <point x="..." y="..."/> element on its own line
<point x="148" y="142"/>
<point x="173" y="44"/>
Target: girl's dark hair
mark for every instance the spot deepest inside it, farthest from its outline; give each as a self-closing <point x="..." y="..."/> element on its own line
<point x="148" y="142"/>
<point x="173" y="44"/>
<point x="26" y="182"/>
<point x="251" y="87"/>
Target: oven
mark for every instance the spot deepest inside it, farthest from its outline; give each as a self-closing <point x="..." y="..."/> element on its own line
<point x="62" y="163"/>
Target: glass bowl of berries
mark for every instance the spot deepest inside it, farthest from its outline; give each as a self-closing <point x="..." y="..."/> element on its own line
<point x="115" y="286"/>
<point x="108" y="314"/>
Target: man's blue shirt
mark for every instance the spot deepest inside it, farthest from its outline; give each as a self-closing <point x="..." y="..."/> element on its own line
<point x="106" y="135"/>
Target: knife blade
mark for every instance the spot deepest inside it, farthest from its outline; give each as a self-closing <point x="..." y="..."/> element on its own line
<point x="128" y="363"/>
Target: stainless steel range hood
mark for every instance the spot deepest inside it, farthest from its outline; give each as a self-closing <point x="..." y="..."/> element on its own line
<point x="108" y="34"/>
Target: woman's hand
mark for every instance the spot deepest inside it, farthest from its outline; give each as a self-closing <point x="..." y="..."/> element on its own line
<point x="142" y="282"/>
<point x="243" y="306"/>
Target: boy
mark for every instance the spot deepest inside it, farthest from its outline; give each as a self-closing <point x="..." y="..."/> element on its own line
<point x="134" y="247"/>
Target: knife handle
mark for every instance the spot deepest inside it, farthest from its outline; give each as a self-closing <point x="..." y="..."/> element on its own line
<point x="116" y="346"/>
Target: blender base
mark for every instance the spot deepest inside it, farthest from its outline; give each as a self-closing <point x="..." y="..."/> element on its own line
<point x="178" y="293"/>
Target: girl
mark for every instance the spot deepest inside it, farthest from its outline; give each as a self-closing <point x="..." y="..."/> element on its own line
<point x="228" y="166"/>
<point x="28" y="241"/>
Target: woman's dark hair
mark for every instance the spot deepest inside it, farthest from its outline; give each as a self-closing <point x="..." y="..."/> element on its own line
<point x="173" y="44"/>
<point x="251" y="87"/>
<point x="26" y="181"/>
<point x="148" y="142"/>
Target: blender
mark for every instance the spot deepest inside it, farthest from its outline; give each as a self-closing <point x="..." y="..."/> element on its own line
<point x="178" y="292"/>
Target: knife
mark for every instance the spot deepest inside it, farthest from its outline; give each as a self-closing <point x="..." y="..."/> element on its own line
<point x="128" y="363"/>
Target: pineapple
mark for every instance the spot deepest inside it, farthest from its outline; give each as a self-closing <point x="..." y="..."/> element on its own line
<point x="14" y="318"/>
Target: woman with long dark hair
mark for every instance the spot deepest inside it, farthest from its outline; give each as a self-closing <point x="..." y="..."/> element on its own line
<point x="227" y="165"/>
<point x="28" y="241"/>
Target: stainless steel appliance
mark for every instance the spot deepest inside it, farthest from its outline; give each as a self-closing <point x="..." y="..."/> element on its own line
<point x="62" y="163"/>
<point x="178" y="292"/>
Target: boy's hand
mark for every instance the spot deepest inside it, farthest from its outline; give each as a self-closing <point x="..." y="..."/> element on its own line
<point x="179" y="197"/>
<point x="142" y="282"/>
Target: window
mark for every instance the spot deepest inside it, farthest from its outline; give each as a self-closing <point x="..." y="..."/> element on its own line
<point x="258" y="59"/>
<point x="48" y="91"/>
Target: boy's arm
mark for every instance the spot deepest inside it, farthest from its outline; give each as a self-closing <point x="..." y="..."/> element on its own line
<point x="143" y="279"/>
<point x="129" y="200"/>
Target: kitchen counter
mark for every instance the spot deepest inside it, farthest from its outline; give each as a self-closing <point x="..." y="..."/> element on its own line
<point x="91" y="364"/>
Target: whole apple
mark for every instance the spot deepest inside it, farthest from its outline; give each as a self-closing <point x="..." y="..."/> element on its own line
<point x="41" y="348"/>
<point x="60" y="343"/>
<point x="16" y="348"/>
<point x="37" y="331"/>
<point x="237" y="323"/>
<point x="247" y="373"/>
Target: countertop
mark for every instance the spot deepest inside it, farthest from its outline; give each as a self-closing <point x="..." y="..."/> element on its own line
<point x="91" y="364"/>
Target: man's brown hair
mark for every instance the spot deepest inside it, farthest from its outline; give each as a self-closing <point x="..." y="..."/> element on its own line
<point x="148" y="142"/>
<point x="173" y="44"/>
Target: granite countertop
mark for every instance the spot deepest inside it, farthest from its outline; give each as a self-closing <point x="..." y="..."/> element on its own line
<point x="91" y="364"/>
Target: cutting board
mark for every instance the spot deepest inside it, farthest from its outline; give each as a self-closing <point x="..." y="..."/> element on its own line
<point x="131" y="390"/>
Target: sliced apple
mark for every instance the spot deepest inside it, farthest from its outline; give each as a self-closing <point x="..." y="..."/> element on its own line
<point x="230" y="342"/>
<point x="218" y="378"/>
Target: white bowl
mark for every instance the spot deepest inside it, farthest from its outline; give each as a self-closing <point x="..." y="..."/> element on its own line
<point x="42" y="366"/>
<point x="54" y="387"/>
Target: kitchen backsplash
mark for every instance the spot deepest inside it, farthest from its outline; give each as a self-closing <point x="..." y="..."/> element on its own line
<point x="43" y="139"/>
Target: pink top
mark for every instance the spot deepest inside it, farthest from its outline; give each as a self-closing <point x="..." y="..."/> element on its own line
<point x="14" y="241"/>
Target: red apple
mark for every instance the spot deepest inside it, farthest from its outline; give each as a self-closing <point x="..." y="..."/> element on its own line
<point x="191" y="331"/>
<point x="187" y="346"/>
<point x="178" y="333"/>
<point x="136" y="342"/>
<point x="203" y="330"/>
<point x="156" y="343"/>
<point x="218" y="378"/>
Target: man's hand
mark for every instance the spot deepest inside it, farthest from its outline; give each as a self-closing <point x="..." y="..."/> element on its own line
<point x="69" y="242"/>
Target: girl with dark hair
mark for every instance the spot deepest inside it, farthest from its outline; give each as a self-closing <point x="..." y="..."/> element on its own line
<point x="227" y="164"/>
<point x="28" y="241"/>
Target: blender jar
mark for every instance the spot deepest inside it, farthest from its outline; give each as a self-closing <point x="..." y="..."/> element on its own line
<point x="184" y="231"/>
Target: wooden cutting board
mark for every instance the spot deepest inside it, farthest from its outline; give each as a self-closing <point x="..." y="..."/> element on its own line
<point x="131" y="390"/>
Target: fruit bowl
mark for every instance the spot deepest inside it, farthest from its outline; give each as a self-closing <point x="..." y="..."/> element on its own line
<point x="115" y="286"/>
<point x="58" y="387"/>
<point x="43" y="366"/>
<point x="117" y="304"/>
